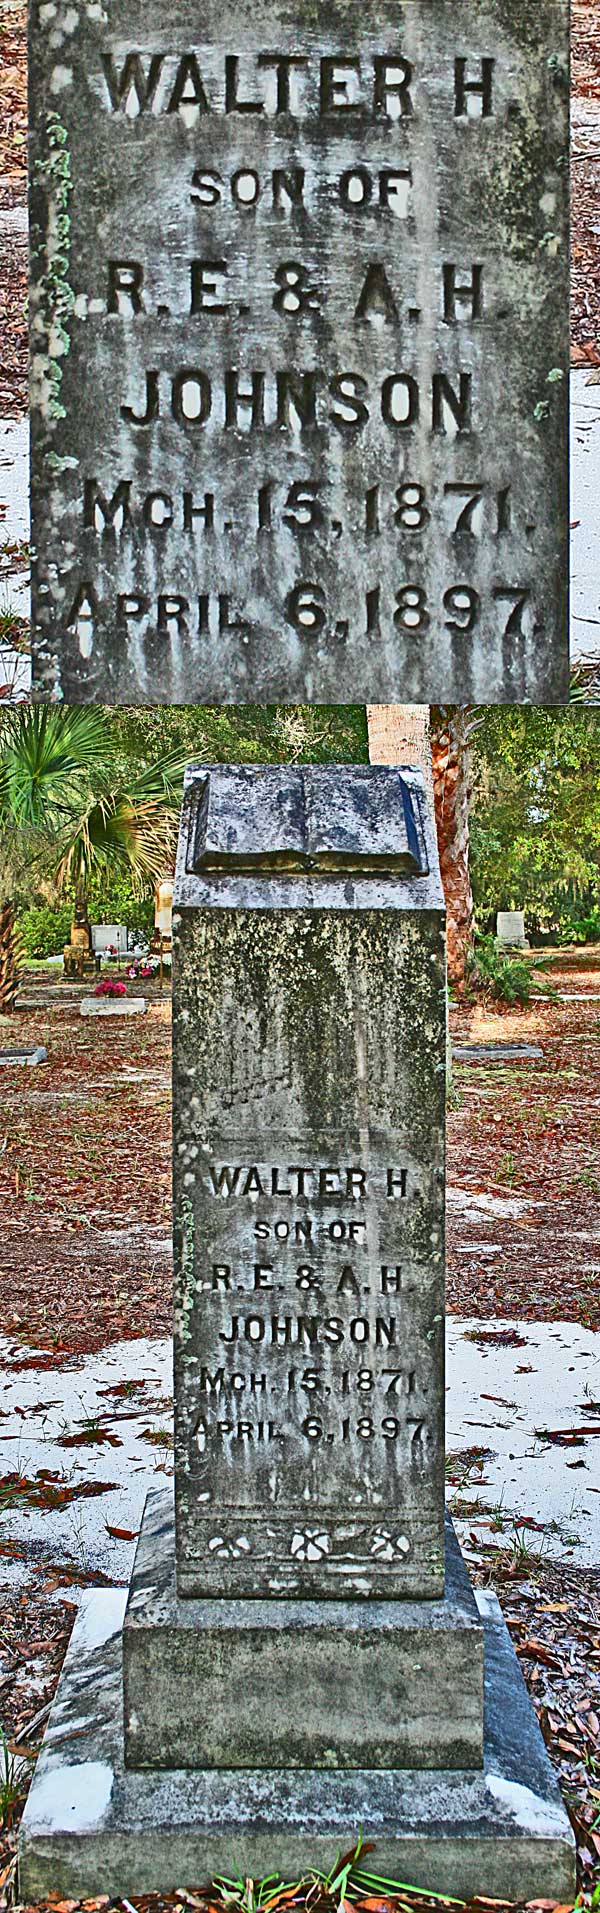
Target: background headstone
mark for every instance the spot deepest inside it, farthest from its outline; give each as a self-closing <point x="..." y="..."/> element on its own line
<point x="510" y="929"/>
<point x="300" y="351"/>
<point x="104" y="934"/>
<point x="31" y="1054"/>
<point x="113" y="1006"/>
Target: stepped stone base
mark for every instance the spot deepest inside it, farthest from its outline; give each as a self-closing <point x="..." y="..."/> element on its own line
<point x="289" y="1683"/>
<point x="91" y="1826"/>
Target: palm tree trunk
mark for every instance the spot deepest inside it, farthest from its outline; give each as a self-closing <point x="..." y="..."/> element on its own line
<point x="439" y="743"/>
<point x="450" y="734"/>
<point x="10" y="958"/>
<point x="400" y="734"/>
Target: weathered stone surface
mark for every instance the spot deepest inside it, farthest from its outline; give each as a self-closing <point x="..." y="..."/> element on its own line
<point x="300" y="350"/>
<point x="113" y="1006"/>
<point x="107" y="935"/>
<point x="309" y="1083"/>
<point x="30" y="1054"/>
<point x="90" y="1826"/>
<point x="510" y="929"/>
<point x="196" y="1673"/>
<point x="497" y="1053"/>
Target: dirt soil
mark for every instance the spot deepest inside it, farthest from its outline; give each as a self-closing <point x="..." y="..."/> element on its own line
<point x="585" y="245"/>
<point x="85" y="1159"/>
<point x="13" y="193"/>
<point x="85" y="1179"/>
<point x="13" y="253"/>
<point x="529" y="1134"/>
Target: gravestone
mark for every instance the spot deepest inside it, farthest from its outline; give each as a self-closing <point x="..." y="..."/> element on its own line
<point x="497" y="1053"/>
<point x="318" y="1282"/>
<point x="301" y="1652"/>
<point x="29" y="1054"/>
<point x="106" y="934"/>
<point x="112" y="1006"/>
<point x="510" y="929"/>
<point x="300" y="351"/>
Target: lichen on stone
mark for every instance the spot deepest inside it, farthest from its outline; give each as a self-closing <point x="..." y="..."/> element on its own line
<point x="53" y="298"/>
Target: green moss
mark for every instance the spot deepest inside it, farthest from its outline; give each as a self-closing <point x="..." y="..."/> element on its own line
<point x="187" y="1236"/>
<point x="56" y="297"/>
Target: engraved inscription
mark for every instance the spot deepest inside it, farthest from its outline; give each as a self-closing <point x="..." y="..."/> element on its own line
<point x="314" y="300"/>
<point x="312" y="1349"/>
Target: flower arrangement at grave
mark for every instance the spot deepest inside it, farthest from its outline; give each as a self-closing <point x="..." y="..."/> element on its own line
<point x="110" y="986"/>
<point x="147" y="966"/>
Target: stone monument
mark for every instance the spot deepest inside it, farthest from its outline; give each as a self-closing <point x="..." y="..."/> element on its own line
<point x="300" y="350"/>
<point x="510" y="929"/>
<point x="300" y="1652"/>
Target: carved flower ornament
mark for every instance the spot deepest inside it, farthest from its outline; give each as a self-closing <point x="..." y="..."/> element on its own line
<point x="386" y="1546"/>
<point x="310" y="1544"/>
<point x="231" y="1550"/>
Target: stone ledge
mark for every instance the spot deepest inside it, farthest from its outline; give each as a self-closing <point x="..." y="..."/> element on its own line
<point x="92" y="1827"/>
<point x="112" y="1006"/>
<point x="376" y="1684"/>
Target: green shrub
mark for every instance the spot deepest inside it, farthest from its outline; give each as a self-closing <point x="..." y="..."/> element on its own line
<point x="505" y="979"/>
<point x="45" y="930"/>
<point x="112" y="899"/>
<point x="581" y="928"/>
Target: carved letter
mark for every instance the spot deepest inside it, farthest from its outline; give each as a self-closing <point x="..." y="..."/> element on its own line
<point x="401" y="390"/>
<point x="96" y="506"/>
<point x="191" y="398"/>
<point x="205" y="287"/>
<point x="152" y="403"/>
<point x="296" y="391"/>
<point x="392" y="88"/>
<point x="377" y="295"/>
<point x="337" y="76"/>
<point x="345" y="392"/>
<point x="132" y="79"/>
<point x="125" y="281"/>
<point x="188" y="89"/>
<point x="473" y="98"/>
<point x="237" y="400"/>
<point x="283" y="63"/>
<point x="457" y="403"/>
<point x="466" y="293"/>
<point x="232" y="102"/>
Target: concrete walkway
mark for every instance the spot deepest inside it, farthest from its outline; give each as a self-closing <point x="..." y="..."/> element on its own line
<point x="500" y="1399"/>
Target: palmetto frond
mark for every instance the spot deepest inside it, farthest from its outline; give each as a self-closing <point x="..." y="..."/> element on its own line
<point x="136" y="827"/>
<point x="48" y="757"/>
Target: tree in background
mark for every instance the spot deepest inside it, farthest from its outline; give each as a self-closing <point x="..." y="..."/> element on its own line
<point x="439" y="741"/>
<point x="66" y="798"/>
<point x="517" y="806"/>
<point x="453" y="727"/>
<point x="243" y="733"/>
<point x="535" y="821"/>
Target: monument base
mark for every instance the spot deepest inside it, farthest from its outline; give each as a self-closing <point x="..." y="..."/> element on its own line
<point x="291" y="1683"/>
<point x="91" y="1826"/>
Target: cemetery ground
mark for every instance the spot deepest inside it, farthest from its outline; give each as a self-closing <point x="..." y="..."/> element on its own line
<point x="85" y="1430"/>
